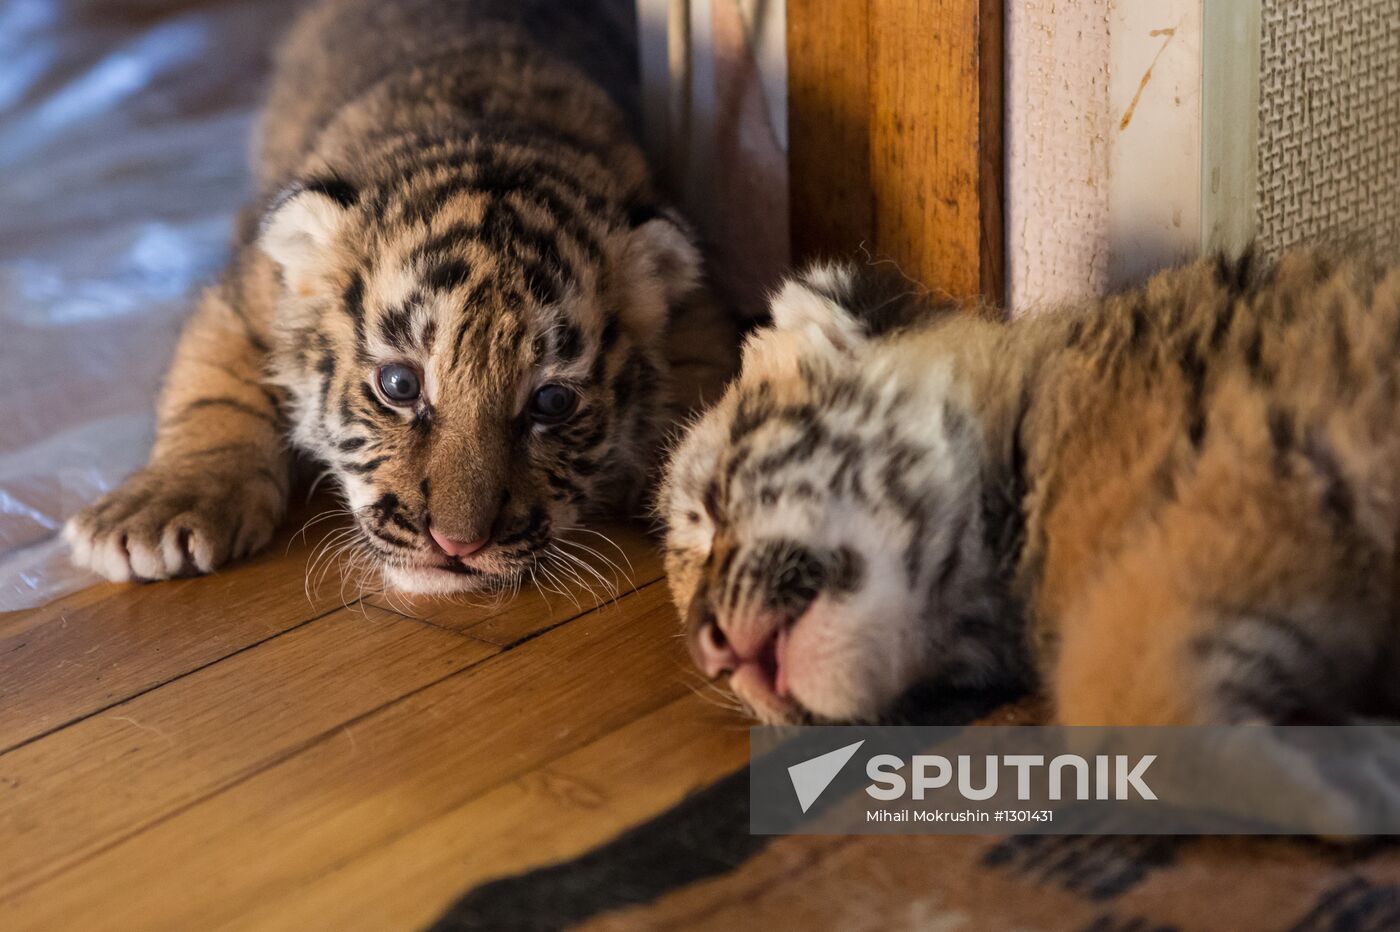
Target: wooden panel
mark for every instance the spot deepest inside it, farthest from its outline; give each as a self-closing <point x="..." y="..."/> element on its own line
<point x="108" y="643"/>
<point x="552" y="814"/>
<point x="832" y="201"/>
<point x="895" y="120"/>
<point x="362" y="786"/>
<point x="90" y="785"/>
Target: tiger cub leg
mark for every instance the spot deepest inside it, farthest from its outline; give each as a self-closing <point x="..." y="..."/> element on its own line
<point x="1277" y="667"/>
<point x="216" y="486"/>
<point x="1151" y="644"/>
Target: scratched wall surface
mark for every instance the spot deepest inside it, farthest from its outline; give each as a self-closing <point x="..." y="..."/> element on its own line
<point x="1154" y="165"/>
<point x="1103" y="144"/>
<point x="1057" y="136"/>
<point x="1329" y="122"/>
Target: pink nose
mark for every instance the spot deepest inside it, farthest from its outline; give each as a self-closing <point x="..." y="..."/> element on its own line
<point x="457" y="548"/>
<point x="712" y="652"/>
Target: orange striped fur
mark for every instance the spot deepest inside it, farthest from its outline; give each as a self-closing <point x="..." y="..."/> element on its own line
<point x="1187" y="494"/>
<point x="451" y="206"/>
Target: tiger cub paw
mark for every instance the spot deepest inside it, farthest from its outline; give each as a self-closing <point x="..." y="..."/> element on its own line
<point x="164" y="522"/>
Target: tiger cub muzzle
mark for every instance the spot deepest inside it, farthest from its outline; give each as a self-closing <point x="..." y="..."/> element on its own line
<point x="749" y="601"/>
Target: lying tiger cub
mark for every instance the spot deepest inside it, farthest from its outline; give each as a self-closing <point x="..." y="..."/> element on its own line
<point x="1177" y="505"/>
<point x="455" y="291"/>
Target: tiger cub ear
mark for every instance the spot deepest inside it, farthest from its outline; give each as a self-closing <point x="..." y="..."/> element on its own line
<point x="844" y="305"/>
<point x="299" y="231"/>
<point x="659" y="266"/>
<point x="811" y="305"/>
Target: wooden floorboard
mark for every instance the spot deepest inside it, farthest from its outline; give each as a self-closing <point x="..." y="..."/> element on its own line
<point x="303" y="759"/>
<point x="555" y="812"/>
<point x="111" y="775"/>
<point x="104" y="645"/>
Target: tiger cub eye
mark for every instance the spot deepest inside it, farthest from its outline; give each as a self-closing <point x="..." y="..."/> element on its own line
<point x="399" y="384"/>
<point x="553" y="403"/>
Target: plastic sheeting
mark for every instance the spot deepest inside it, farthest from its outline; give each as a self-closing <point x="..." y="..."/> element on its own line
<point x="124" y="128"/>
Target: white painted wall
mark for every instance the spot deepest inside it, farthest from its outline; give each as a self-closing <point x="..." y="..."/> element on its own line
<point x="1057" y="137"/>
<point x="1103" y="119"/>
<point x="1154" y="152"/>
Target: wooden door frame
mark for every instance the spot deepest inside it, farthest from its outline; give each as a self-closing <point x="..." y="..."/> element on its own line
<point x="895" y="137"/>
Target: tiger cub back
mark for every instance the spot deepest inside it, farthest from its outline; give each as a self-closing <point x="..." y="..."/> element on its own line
<point x="1213" y="514"/>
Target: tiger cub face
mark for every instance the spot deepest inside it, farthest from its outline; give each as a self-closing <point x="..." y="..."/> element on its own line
<point x="478" y="381"/>
<point x="824" y="540"/>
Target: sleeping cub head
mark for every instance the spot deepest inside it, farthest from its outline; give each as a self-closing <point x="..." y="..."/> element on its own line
<point x="824" y="539"/>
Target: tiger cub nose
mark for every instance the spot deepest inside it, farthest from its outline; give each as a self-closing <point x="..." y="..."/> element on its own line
<point x="456" y="548"/>
<point x="712" y="652"/>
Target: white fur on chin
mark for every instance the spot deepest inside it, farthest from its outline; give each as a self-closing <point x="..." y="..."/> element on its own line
<point x="429" y="581"/>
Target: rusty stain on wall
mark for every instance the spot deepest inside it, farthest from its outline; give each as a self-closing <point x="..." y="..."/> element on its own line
<point x="1147" y="77"/>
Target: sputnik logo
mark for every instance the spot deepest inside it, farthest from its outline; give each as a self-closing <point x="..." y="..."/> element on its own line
<point x="811" y="777"/>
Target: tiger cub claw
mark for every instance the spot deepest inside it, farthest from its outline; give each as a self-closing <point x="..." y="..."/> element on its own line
<point x="163" y="523"/>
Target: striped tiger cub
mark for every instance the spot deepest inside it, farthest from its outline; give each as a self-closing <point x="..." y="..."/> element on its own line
<point x="1177" y="505"/>
<point x="456" y="290"/>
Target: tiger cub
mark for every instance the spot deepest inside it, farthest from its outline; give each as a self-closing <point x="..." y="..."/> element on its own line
<point x="455" y="289"/>
<point x="1176" y="505"/>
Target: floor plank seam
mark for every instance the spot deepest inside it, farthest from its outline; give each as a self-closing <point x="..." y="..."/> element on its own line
<point x="494" y="787"/>
<point x="275" y="760"/>
<point x="437" y="627"/>
<point x="174" y="679"/>
<point x="512" y="645"/>
<point x="385" y="607"/>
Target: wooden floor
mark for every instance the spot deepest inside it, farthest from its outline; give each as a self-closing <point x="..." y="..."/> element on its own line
<point x="235" y="752"/>
<point x="231" y="752"/>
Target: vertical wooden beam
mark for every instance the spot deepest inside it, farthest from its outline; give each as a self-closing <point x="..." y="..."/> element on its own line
<point x="895" y="128"/>
<point x="832" y="205"/>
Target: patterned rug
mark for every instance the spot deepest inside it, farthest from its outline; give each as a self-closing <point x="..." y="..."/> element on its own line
<point x="697" y="867"/>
